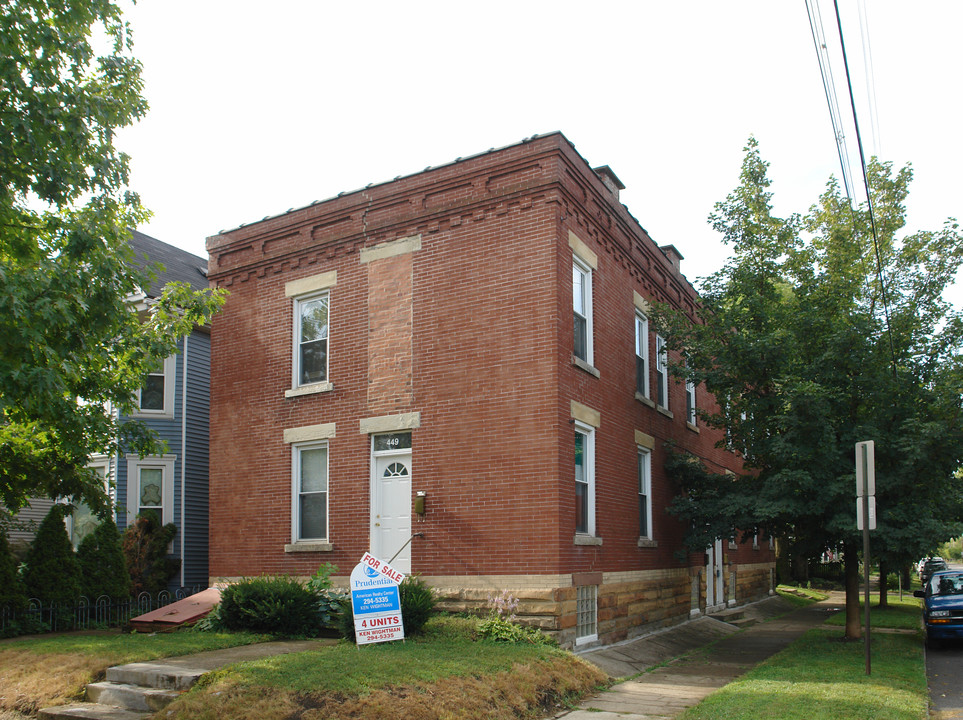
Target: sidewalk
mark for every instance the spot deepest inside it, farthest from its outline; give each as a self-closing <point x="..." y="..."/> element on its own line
<point x="682" y="680"/>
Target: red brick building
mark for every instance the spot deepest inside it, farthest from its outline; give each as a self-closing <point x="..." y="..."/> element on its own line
<point x="463" y="356"/>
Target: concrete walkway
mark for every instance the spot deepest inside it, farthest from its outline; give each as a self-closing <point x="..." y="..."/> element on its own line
<point x="682" y="677"/>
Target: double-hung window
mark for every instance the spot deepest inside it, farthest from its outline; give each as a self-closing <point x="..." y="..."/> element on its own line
<point x="645" y="493"/>
<point x="661" y="372"/>
<point x="584" y="479"/>
<point x="641" y="354"/>
<point x="156" y="396"/>
<point x="312" y="332"/>
<point x="150" y="486"/>
<point x="310" y="497"/>
<point x="690" y="402"/>
<point x="312" y="339"/>
<point x="582" y="305"/>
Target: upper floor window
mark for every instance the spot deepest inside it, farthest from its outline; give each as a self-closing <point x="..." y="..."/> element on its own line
<point x="661" y="372"/>
<point x="156" y="397"/>
<point x="312" y="339"/>
<point x="690" y="402"/>
<point x="582" y="305"/>
<point x="312" y="307"/>
<point x="641" y="354"/>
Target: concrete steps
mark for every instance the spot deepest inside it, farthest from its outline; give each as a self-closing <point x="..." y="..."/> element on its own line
<point x="736" y="617"/>
<point x="131" y="692"/>
<point x="93" y="711"/>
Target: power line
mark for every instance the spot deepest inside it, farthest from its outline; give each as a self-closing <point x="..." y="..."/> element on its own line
<point x="869" y="199"/>
<point x="829" y="87"/>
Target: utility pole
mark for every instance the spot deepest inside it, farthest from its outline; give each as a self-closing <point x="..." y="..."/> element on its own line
<point x="866" y="519"/>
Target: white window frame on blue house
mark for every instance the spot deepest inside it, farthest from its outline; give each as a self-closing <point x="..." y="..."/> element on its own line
<point x="167" y="371"/>
<point x="163" y="463"/>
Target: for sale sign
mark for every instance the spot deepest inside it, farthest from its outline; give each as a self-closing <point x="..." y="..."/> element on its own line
<point x="376" y="601"/>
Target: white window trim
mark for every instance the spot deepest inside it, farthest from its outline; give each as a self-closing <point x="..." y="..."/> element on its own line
<point x="690" y="394"/>
<point x="167" y="412"/>
<point x="645" y="469"/>
<point x="297" y="387"/>
<point x="589" y="433"/>
<point x="296" y="449"/>
<point x="642" y="350"/>
<point x="586" y="270"/>
<point x="662" y="366"/>
<point x="166" y="465"/>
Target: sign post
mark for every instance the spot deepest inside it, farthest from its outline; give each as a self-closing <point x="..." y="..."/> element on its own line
<point x="376" y="601"/>
<point x="866" y="518"/>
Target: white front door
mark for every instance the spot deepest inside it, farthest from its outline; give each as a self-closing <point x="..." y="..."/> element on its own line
<point x="715" y="599"/>
<point x="391" y="509"/>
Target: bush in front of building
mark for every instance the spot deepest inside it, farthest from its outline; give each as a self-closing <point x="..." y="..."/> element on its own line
<point x="103" y="564"/>
<point x="329" y="600"/>
<point x="417" y="603"/>
<point x="12" y="593"/>
<point x="145" y="545"/>
<point x="501" y="624"/>
<point x="52" y="571"/>
<point x="275" y="605"/>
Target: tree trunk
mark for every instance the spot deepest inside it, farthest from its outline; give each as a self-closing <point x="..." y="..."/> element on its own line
<point x="883" y="592"/>
<point x="853" y="626"/>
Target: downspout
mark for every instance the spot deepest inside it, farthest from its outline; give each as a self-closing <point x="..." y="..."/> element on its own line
<point x="183" y="458"/>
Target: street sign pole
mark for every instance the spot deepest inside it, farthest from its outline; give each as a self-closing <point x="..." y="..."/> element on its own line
<point x="866" y="490"/>
<point x="865" y="499"/>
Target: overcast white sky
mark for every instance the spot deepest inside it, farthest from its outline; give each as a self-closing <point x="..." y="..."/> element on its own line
<point x="257" y="107"/>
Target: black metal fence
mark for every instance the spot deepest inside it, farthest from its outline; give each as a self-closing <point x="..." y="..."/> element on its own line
<point x="103" y="612"/>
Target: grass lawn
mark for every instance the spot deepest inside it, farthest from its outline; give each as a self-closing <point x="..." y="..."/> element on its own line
<point x="443" y="674"/>
<point x="823" y="677"/>
<point x="903" y="614"/>
<point x="52" y="669"/>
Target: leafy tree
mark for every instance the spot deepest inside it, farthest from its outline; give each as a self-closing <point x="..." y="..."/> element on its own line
<point x="53" y="574"/>
<point x="145" y="545"/>
<point x="72" y="351"/>
<point x="102" y="563"/>
<point x="806" y="356"/>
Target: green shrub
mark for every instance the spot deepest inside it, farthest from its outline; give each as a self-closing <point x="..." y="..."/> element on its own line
<point x="12" y="593"/>
<point x="53" y="574"/>
<point x="329" y="600"/>
<point x="145" y="549"/>
<point x="501" y="626"/>
<point x="103" y="564"/>
<point x="212" y="622"/>
<point x="417" y="603"/>
<point x="273" y="605"/>
<point x="344" y="621"/>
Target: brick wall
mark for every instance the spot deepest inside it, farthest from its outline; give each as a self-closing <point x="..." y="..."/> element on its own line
<point x="451" y="302"/>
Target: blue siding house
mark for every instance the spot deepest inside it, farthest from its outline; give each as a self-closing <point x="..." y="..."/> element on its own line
<point x="175" y="403"/>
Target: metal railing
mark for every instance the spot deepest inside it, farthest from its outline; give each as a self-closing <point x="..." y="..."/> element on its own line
<point x="85" y="614"/>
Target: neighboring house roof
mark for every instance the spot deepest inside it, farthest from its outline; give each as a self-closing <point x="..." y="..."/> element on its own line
<point x="179" y="265"/>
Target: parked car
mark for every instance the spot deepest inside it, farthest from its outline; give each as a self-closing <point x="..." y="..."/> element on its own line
<point x="943" y="606"/>
<point x="934" y="564"/>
